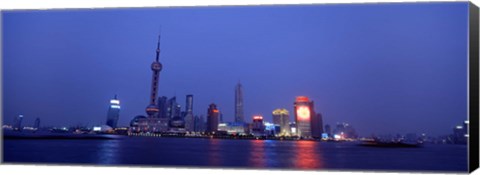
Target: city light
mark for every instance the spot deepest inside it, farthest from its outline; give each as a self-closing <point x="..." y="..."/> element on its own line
<point x="257" y="117"/>
<point x="115" y="102"/>
<point x="302" y="99"/>
<point x="459" y="127"/>
<point x="115" y="106"/>
<point x="303" y="113"/>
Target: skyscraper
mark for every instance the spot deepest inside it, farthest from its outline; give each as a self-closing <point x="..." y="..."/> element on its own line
<point x="304" y="111"/>
<point x="156" y="67"/>
<point x="162" y="107"/>
<point x="36" y="124"/>
<point x="258" y="127"/>
<point x="239" y="115"/>
<point x="317" y="125"/>
<point x="173" y="109"/>
<point x="113" y="112"/>
<point x="328" y="130"/>
<point x="281" y="118"/>
<point x="17" y="123"/>
<point x="189" y="120"/>
<point x="212" y="118"/>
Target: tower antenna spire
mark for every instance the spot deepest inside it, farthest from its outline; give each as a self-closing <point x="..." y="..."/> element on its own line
<point x="158" y="48"/>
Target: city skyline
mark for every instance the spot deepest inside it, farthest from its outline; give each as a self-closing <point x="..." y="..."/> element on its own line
<point x="339" y="92"/>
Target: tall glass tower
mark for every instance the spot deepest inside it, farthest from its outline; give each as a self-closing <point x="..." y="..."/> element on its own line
<point x="113" y="112"/>
<point x="189" y="119"/>
<point x="239" y="115"/>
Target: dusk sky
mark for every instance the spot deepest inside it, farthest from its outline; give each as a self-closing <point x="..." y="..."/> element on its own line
<point x="383" y="68"/>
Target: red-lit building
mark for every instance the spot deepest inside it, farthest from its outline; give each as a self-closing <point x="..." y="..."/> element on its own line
<point x="304" y="113"/>
<point x="212" y="118"/>
<point x="258" y="127"/>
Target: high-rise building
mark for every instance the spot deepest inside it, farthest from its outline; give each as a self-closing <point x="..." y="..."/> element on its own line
<point x="162" y="107"/>
<point x="189" y="120"/>
<point x="212" y="118"/>
<point x="239" y="115"/>
<point x="317" y="125"/>
<point x="304" y="111"/>
<point x="113" y="112"/>
<point x="328" y="130"/>
<point x="281" y="118"/>
<point x="36" y="124"/>
<point x="17" y="122"/>
<point x="173" y="109"/>
<point x="258" y="127"/>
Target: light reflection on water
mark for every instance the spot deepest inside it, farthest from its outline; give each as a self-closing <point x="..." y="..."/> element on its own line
<point x="265" y="154"/>
<point x="307" y="156"/>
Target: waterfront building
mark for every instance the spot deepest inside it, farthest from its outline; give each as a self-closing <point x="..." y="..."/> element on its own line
<point x="317" y="125"/>
<point x="271" y="129"/>
<point x="345" y="131"/>
<point x="232" y="128"/>
<point x="212" y="118"/>
<point x="36" y="124"/>
<point x="304" y="111"/>
<point x="258" y="127"/>
<point x="189" y="119"/>
<point x="281" y="118"/>
<point x="460" y="134"/>
<point x="199" y="124"/>
<point x="17" y="123"/>
<point x="328" y="130"/>
<point x="162" y="107"/>
<point x="239" y="115"/>
<point x="174" y="109"/>
<point x="113" y="112"/>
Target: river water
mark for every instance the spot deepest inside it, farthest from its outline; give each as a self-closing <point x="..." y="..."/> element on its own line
<point x="258" y="154"/>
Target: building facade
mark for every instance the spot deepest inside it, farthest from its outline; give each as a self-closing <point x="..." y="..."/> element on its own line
<point x="17" y="123"/>
<point x="212" y="118"/>
<point x="304" y="111"/>
<point x="113" y="112"/>
<point x="258" y="127"/>
<point x="189" y="119"/>
<point x="281" y="118"/>
<point x="239" y="115"/>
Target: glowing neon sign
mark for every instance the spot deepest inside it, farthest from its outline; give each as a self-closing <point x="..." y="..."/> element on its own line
<point x="303" y="113"/>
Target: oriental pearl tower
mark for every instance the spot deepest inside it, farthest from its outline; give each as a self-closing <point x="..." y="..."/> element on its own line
<point x="156" y="67"/>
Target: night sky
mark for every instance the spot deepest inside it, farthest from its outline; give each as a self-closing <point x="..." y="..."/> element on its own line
<point x="383" y="68"/>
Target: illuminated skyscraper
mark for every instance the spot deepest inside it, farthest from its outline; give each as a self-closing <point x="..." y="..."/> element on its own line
<point x="281" y="118"/>
<point x="212" y="118"/>
<point x="113" y="112"/>
<point x="304" y="111"/>
<point x="17" y="122"/>
<point x="239" y="115"/>
<point x="189" y="120"/>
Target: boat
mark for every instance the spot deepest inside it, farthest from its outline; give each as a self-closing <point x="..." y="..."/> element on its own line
<point x="389" y="144"/>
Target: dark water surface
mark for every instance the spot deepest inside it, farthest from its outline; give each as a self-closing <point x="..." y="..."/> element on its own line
<point x="264" y="154"/>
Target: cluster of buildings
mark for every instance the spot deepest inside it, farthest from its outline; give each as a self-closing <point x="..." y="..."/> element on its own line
<point x="18" y="125"/>
<point x="165" y="115"/>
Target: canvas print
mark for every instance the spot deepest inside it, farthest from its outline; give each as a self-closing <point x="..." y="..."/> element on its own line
<point x="380" y="87"/>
